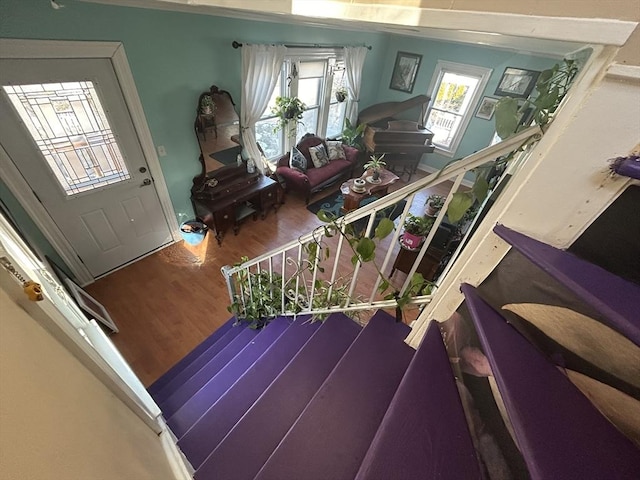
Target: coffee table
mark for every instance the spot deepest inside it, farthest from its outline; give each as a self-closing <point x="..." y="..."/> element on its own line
<point x="352" y="199"/>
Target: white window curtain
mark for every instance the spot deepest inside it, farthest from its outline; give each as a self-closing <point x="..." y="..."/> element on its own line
<point x="354" y="61"/>
<point x="261" y="66"/>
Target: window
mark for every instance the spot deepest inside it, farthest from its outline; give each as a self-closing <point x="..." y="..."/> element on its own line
<point x="68" y="124"/>
<point x="455" y="92"/>
<point x="314" y="78"/>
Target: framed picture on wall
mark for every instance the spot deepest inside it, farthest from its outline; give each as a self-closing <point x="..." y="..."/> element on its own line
<point x="405" y="71"/>
<point x="517" y="82"/>
<point x="487" y="108"/>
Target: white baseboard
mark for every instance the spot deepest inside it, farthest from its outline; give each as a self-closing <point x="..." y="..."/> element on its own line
<point x="430" y="169"/>
<point x="180" y="466"/>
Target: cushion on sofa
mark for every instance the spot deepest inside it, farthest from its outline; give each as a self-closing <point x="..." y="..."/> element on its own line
<point x="319" y="156"/>
<point x="304" y="144"/>
<point x="335" y="150"/>
<point x="298" y="160"/>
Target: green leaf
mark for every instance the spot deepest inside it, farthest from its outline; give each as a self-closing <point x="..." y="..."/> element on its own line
<point x="366" y="249"/>
<point x="354" y="260"/>
<point x="460" y="203"/>
<point x="480" y="188"/>
<point x="384" y="228"/>
<point x="384" y="284"/>
<point x="325" y="216"/>
<point x="506" y="117"/>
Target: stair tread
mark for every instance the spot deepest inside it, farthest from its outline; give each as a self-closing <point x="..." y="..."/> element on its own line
<point x="248" y="445"/>
<point x="560" y="433"/>
<point x="333" y="433"/>
<point x="200" y="440"/>
<point x="615" y="298"/>
<point x="424" y="429"/>
<point x="196" y="406"/>
<point x="211" y="368"/>
<point x="197" y="363"/>
<point x="185" y="361"/>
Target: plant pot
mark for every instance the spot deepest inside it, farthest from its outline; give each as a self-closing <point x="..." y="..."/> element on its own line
<point x="411" y="241"/>
<point x="207" y="110"/>
<point x="431" y="210"/>
<point x="376" y="175"/>
<point x="193" y="232"/>
<point x="290" y="113"/>
<point x="340" y="97"/>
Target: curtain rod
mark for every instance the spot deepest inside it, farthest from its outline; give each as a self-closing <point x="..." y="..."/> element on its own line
<point x="236" y="44"/>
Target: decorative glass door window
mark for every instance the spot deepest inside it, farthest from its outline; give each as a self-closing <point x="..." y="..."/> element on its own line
<point x="69" y="126"/>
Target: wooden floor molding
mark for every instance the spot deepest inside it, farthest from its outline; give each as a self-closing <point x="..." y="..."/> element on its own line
<point x="167" y="303"/>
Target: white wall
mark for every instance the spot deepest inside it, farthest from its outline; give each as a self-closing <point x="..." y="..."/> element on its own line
<point x="57" y="421"/>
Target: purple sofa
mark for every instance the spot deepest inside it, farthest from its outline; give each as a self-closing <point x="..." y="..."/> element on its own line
<point x="315" y="179"/>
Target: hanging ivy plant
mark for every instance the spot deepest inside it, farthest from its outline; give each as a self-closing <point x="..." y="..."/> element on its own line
<point x="288" y="109"/>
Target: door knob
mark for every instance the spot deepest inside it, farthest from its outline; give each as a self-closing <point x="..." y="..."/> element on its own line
<point x="142" y="169"/>
<point x="146" y="182"/>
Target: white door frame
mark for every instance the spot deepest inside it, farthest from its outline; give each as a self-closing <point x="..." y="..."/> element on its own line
<point x="114" y="51"/>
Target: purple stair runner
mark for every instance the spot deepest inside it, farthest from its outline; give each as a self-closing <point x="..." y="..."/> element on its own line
<point x="614" y="297"/>
<point x="197" y="363"/>
<point x="208" y="342"/>
<point x="424" y="433"/>
<point x="212" y="427"/>
<point x="559" y="432"/>
<point x="333" y="434"/>
<point x="248" y="445"/>
<point x="202" y="376"/>
<point x="196" y="406"/>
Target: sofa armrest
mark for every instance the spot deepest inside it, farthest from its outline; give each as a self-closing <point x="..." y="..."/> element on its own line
<point x="351" y="153"/>
<point x="283" y="161"/>
<point x="294" y="179"/>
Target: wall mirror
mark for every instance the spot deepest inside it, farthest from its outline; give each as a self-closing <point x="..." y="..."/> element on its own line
<point x="217" y="128"/>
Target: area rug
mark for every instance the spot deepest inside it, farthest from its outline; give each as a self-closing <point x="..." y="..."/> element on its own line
<point x="228" y="156"/>
<point x="333" y="202"/>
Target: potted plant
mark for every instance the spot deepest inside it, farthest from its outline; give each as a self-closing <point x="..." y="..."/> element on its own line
<point x="341" y="94"/>
<point x="375" y="165"/>
<point x="207" y="106"/>
<point x="288" y="109"/>
<point x="434" y="204"/>
<point x="352" y="135"/>
<point x="415" y="229"/>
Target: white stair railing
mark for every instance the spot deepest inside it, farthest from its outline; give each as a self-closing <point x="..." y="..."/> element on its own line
<point x="291" y="280"/>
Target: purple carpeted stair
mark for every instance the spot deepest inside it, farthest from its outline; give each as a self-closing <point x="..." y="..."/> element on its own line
<point x="187" y="360"/>
<point x="559" y="432"/>
<point x="249" y="444"/>
<point x="332" y="435"/>
<point x="614" y="297"/>
<point x="220" y="418"/>
<point x="196" y="406"/>
<point x="197" y="363"/>
<point x="434" y="438"/>
<point x="185" y="391"/>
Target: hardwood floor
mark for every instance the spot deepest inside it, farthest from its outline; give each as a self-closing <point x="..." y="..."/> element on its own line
<point x="168" y="302"/>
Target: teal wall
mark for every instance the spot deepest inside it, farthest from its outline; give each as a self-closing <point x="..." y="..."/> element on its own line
<point x="175" y="56"/>
<point x="479" y="132"/>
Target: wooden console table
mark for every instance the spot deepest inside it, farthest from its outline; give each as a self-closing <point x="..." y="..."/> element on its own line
<point x="229" y="195"/>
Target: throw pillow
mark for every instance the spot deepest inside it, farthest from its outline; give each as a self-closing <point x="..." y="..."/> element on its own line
<point x="319" y="156"/>
<point x="297" y="160"/>
<point x="335" y="150"/>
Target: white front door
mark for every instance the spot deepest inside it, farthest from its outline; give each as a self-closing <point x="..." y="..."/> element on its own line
<point x="66" y="127"/>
